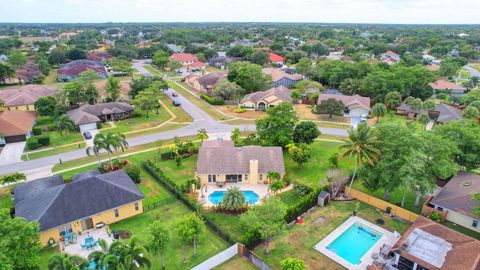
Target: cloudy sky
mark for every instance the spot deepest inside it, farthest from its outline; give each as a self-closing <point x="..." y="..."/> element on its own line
<point x="358" y="11"/>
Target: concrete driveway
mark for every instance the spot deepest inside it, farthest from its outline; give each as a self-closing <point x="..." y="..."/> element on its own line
<point x="12" y="153"/>
<point x="93" y="132"/>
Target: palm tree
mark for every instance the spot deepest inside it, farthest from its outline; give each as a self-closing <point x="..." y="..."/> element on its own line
<point x="120" y="255"/>
<point x="361" y="145"/>
<point x="379" y="110"/>
<point x="95" y="150"/>
<point x="233" y="199"/>
<point x="65" y="124"/>
<point x="110" y="141"/>
<point x="64" y="261"/>
<point x="132" y="255"/>
<point x="113" y="88"/>
<point x="6" y="72"/>
<point x="202" y="134"/>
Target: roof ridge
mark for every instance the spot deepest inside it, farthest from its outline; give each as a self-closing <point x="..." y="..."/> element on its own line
<point x="113" y="183"/>
<point x="54" y="199"/>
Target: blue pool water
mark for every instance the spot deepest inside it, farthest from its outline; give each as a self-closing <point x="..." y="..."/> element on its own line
<point x="217" y="197"/>
<point x="353" y="243"/>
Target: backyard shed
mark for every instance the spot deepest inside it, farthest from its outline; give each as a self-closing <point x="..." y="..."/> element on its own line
<point x="323" y="198"/>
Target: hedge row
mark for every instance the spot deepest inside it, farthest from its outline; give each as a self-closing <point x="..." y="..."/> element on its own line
<point x="37" y="141"/>
<point x="211" y="100"/>
<point x="158" y="175"/>
<point x="170" y="155"/>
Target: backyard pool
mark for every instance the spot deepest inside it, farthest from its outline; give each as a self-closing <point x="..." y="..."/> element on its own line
<point x="217" y="197"/>
<point x="354" y="242"/>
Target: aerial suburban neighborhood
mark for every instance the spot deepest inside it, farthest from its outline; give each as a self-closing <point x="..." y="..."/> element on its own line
<point x="240" y="135"/>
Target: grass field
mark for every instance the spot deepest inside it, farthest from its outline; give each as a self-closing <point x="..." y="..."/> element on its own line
<point x="299" y="240"/>
<point x="236" y="263"/>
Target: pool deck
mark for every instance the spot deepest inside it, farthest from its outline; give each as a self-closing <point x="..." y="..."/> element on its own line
<point x="260" y="189"/>
<point x="388" y="238"/>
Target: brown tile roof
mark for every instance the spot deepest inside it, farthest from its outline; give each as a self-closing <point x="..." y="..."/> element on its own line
<point x="278" y="74"/>
<point x="348" y="101"/>
<point x="92" y="113"/>
<point x="26" y="95"/>
<point x="221" y="157"/>
<point x="444" y="85"/>
<point x="16" y="122"/>
<point x="456" y="194"/>
<point x="281" y="92"/>
<point x="210" y="79"/>
<point x="464" y="253"/>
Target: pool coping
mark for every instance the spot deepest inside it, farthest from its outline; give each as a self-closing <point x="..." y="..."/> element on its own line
<point x="260" y="189"/>
<point x="387" y="238"/>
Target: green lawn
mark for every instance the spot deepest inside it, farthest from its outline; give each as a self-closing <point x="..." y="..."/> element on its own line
<point x="181" y="174"/>
<point x="395" y="196"/>
<point x="290" y="197"/>
<point x="209" y="245"/>
<point x="299" y="240"/>
<point x="57" y="139"/>
<point x="54" y="151"/>
<point x="461" y="229"/>
<point x="228" y="223"/>
<point x="313" y="172"/>
<point x="236" y="263"/>
<point x="141" y="122"/>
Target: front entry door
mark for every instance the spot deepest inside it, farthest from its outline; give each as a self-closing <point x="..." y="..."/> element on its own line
<point x="87" y="224"/>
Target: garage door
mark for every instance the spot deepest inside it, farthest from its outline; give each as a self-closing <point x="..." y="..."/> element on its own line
<point x="18" y="138"/>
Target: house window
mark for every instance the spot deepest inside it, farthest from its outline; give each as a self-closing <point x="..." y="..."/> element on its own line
<point x="246" y="177"/>
<point x="136" y="206"/>
<point x="475" y="223"/>
<point x="239" y="178"/>
<point x="28" y="108"/>
<point x="212" y="178"/>
<point x="261" y="177"/>
<point x="440" y="208"/>
<point x="63" y="229"/>
<point x="116" y="213"/>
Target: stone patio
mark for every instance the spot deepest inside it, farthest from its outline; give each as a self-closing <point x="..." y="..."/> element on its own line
<point x="260" y="189"/>
<point x="76" y="249"/>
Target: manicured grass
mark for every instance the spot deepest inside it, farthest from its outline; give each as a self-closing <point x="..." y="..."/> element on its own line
<point x="331" y="125"/>
<point x="299" y="240"/>
<point x="45" y="254"/>
<point x="182" y="116"/>
<point x="290" y="197"/>
<point x="51" y="78"/>
<point x="163" y="128"/>
<point x="57" y="139"/>
<point x="236" y="263"/>
<point x="140" y="122"/>
<point x="200" y="103"/>
<point x="209" y="245"/>
<point x="395" y="196"/>
<point x="181" y="174"/>
<point x="5" y="198"/>
<point x="313" y="172"/>
<point x="211" y="69"/>
<point x="228" y="223"/>
<point x="54" y="151"/>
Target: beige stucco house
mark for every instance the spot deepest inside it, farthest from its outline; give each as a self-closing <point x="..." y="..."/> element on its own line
<point x="221" y="161"/>
<point x="263" y="100"/>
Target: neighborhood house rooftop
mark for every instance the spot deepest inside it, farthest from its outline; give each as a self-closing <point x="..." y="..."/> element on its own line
<point x="427" y="247"/>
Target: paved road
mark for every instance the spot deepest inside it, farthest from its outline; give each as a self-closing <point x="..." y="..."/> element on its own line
<point x="201" y="119"/>
<point x="473" y="72"/>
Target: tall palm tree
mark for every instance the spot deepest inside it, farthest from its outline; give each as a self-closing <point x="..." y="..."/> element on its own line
<point x="361" y="145"/>
<point x="120" y="255"/>
<point x="65" y="124"/>
<point x="233" y="199"/>
<point x="110" y="142"/>
<point x="118" y="141"/>
<point x="202" y="134"/>
<point x="6" y="72"/>
<point x="64" y="261"/>
<point x="96" y="151"/>
<point x="133" y="256"/>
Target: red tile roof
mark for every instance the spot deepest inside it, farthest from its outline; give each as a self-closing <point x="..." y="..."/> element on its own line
<point x="197" y="64"/>
<point x="184" y="57"/>
<point x="275" y="57"/>
<point x="14" y="123"/>
<point x="444" y="85"/>
<point x="26" y="95"/>
<point x="278" y="74"/>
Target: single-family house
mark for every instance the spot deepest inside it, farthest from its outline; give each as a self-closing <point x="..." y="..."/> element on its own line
<point x="218" y="62"/>
<point x="443" y="113"/>
<point x="99" y="56"/>
<point x="282" y="78"/>
<point x="23" y="98"/>
<point x="276" y="59"/>
<point x="72" y="70"/>
<point x="186" y="59"/>
<point x="390" y="57"/>
<point x="206" y="83"/>
<point x="262" y="100"/>
<point x="356" y="107"/>
<point x="87" y="116"/>
<point x="454" y="201"/>
<point x="175" y="48"/>
<point x="446" y="86"/>
<point x="245" y="43"/>
<point x="16" y="126"/>
<point x="88" y="201"/>
<point x="429" y="245"/>
<point x="265" y="42"/>
<point x="29" y="72"/>
<point x="221" y="161"/>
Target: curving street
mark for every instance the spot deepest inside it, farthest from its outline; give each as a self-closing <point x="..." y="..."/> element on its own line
<point x="201" y="119"/>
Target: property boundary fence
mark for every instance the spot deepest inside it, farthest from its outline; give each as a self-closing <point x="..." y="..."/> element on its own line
<point x="381" y="204"/>
<point x="159" y="203"/>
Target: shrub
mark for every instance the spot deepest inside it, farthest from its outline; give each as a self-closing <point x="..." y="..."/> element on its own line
<point x="36" y="131"/>
<point x="211" y="100"/>
<point x="99" y="125"/>
<point x="435" y="216"/>
<point x="240" y="110"/>
<point x="302" y="206"/>
<point x="133" y="172"/>
<point x="51" y="127"/>
<point x="44" y="140"/>
<point x="32" y="143"/>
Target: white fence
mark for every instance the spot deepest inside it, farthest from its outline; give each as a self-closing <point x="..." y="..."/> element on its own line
<point x="218" y="259"/>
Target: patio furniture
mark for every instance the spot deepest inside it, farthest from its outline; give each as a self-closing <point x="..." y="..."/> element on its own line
<point x="99" y="225"/>
<point x="220" y="184"/>
<point x="89" y="243"/>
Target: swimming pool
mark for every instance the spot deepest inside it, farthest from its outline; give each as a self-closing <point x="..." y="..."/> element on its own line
<point x="217" y="197"/>
<point x="354" y="242"/>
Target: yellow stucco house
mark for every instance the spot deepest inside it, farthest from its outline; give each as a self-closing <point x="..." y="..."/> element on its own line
<point x="263" y="100"/>
<point x="23" y="98"/>
<point x="91" y="199"/>
<point x="220" y="161"/>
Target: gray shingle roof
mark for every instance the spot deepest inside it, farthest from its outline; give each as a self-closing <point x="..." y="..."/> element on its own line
<point x="446" y="112"/>
<point x="281" y="92"/>
<point x="92" y="113"/>
<point x="53" y="203"/>
<point x="456" y="194"/>
<point x="221" y="157"/>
